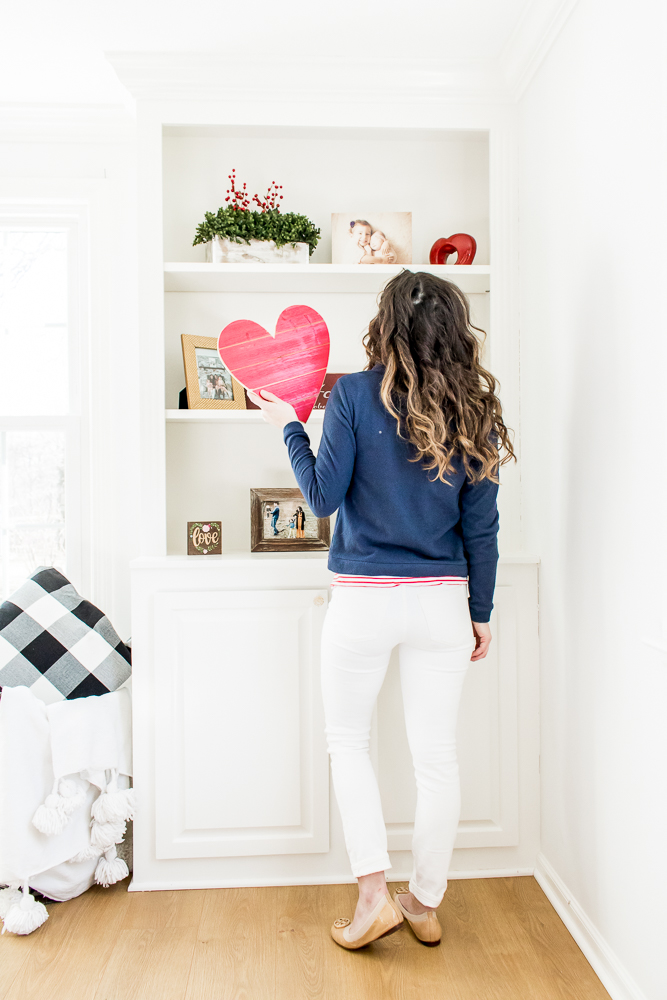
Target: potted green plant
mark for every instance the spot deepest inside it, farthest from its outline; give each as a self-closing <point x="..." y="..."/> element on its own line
<point x="238" y="234"/>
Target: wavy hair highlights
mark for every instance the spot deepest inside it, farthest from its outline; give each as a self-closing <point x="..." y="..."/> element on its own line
<point x="443" y="401"/>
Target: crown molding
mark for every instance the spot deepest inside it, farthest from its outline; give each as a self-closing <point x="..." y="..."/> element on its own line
<point x="538" y="27"/>
<point x="228" y="77"/>
<point x="218" y="76"/>
<point x="109" y="123"/>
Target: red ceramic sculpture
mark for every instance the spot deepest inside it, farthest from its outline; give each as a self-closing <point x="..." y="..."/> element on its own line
<point x="460" y="243"/>
<point x="292" y="365"/>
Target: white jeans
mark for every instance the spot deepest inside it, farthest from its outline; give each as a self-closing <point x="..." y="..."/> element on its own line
<point x="431" y="627"/>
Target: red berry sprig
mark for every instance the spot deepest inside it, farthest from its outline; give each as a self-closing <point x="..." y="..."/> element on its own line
<point x="271" y="198"/>
<point x="239" y="199"/>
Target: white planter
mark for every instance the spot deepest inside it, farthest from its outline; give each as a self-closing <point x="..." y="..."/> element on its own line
<point x="224" y="251"/>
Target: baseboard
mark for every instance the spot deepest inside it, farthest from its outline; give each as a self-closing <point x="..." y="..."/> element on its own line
<point x="612" y="974"/>
<point x="342" y="879"/>
<point x="485" y="873"/>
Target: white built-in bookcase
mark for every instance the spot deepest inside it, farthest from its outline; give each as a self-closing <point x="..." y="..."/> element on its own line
<point x="213" y="458"/>
<point x="239" y="634"/>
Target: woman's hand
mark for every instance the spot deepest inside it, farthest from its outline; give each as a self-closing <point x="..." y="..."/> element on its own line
<point x="482" y="640"/>
<point x="276" y="411"/>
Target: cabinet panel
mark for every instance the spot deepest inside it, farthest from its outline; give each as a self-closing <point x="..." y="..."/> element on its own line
<point x="241" y="764"/>
<point x="487" y="742"/>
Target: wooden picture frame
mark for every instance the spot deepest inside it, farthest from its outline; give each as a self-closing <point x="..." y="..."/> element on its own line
<point x="203" y="365"/>
<point x="269" y="533"/>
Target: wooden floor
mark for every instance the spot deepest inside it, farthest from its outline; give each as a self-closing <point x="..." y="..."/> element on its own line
<point x="502" y="941"/>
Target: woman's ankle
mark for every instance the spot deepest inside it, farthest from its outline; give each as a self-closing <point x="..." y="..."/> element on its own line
<point x="372" y="887"/>
<point x="368" y="896"/>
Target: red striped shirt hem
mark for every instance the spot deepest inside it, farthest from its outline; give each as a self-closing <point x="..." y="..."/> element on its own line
<point x="348" y="580"/>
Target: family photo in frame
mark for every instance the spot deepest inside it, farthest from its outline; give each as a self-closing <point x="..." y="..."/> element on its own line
<point x="281" y="520"/>
<point x="209" y="384"/>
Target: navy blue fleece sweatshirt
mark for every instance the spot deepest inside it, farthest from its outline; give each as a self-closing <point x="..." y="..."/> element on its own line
<point x="392" y="519"/>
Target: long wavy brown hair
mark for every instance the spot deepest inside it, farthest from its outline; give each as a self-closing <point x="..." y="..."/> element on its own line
<point x="443" y="401"/>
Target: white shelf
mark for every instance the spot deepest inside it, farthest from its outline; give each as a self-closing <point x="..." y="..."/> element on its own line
<point x="185" y="277"/>
<point x="226" y="417"/>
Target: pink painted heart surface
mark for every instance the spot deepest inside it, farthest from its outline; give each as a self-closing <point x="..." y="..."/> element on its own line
<point x="292" y="365"/>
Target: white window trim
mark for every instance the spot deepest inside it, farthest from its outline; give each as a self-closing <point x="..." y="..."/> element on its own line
<point x="81" y="207"/>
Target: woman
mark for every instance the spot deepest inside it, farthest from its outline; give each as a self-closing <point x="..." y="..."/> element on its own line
<point x="300" y="522"/>
<point x="221" y="390"/>
<point x="409" y="457"/>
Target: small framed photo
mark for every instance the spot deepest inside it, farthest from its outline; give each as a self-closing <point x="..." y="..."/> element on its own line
<point x="378" y="238"/>
<point x="282" y="521"/>
<point x="204" y="538"/>
<point x="209" y="384"/>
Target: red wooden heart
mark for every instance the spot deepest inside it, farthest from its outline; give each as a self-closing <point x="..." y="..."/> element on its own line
<point x="460" y="243"/>
<point x="292" y="364"/>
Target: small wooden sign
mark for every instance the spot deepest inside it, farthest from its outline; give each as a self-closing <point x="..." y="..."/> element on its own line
<point x="204" y="538"/>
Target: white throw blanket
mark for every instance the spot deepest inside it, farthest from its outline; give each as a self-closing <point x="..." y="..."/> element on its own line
<point x="54" y="762"/>
<point x="92" y="735"/>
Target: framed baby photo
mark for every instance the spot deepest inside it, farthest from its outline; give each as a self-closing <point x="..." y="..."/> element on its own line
<point x="375" y="238"/>
<point x="282" y="521"/>
<point x="208" y="383"/>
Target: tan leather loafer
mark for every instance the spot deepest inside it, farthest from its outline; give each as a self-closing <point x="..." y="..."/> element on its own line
<point x="425" y="926"/>
<point x="384" y="919"/>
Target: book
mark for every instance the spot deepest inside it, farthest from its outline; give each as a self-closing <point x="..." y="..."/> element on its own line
<point x="330" y="380"/>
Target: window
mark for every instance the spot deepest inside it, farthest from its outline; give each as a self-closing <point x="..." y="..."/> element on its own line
<point x="40" y="411"/>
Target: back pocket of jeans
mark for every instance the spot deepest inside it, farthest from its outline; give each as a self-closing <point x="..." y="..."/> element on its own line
<point x="356" y="612"/>
<point x="445" y="609"/>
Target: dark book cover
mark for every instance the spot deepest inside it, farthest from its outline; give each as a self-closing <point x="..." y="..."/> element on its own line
<point x="330" y="380"/>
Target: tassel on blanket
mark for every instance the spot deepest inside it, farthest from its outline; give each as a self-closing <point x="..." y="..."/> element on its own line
<point x="113" y="805"/>
<point x="105" y="835"/>
<point x="110" y="869"/>
<point x="73" y="794"/>
<point x="8" y="897"/>
<point x="52" y="816"/>
<point x="109" y="812"/>
<point x="25" y="915"/>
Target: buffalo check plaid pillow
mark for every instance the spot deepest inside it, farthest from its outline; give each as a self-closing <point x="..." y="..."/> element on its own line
<point x="57" y="644"/>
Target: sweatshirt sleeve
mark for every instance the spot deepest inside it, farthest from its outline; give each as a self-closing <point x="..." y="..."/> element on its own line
<point x="324" y="480"/>
<point x="479" y="528"/>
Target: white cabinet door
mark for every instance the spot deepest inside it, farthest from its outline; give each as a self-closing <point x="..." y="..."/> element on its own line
<point x="241" y="763"/>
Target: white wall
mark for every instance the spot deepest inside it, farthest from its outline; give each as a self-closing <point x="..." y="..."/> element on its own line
<point x="592" y="159"/>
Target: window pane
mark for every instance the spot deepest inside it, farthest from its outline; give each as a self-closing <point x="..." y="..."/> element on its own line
<point x="32" y="504"/>
<point x="33" y="323"/>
